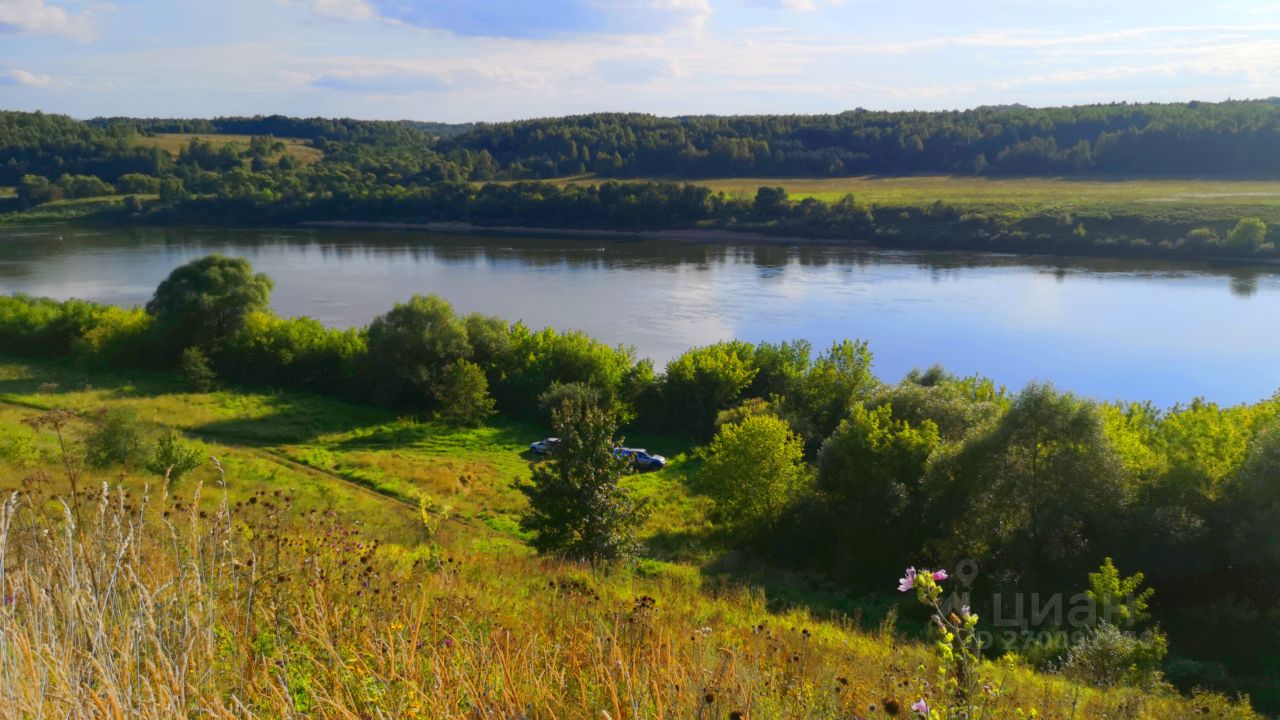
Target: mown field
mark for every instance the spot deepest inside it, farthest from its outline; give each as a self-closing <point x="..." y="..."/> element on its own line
<point x="348" y="563"/>
<point x="1172" y="200"/>
<point x="299" y="149"/>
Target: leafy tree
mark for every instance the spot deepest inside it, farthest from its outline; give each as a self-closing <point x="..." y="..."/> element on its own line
<point x="174" y="457"/>
<point x="412" y="345"/>
<point x="577" y="508"/>
<point x="1116" y="599"/>
<point x="35" y="190"/>
<point x="195" y="367"/>
<point x="83" y="186"/>
<point x="753" y="471"/>
<point x="173" y="190"/>
<point x="1248" y="234"/>
<point x="205" y="302"/>
<point x="704" y="381"/>
<point x="463" y="393"/>
<point x="870" y="473"/>
<point x="1254" y="505"/>
<point x="1040" y="489"/>
<point x="116" y="438"/>
<point x="830" y="388"/>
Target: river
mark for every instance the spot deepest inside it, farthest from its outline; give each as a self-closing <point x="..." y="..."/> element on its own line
<point x="1105" y="328"/>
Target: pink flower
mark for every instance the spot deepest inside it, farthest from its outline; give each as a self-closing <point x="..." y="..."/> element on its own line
<point x="908" y="582"/>
<point x="920" y="707"/>
<point x="939" y="575"/>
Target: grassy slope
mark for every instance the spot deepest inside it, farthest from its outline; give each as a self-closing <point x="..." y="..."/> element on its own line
<point x="173" y="143"/>
<point x="1162" y="200"/>
<point x="567" y="638"/>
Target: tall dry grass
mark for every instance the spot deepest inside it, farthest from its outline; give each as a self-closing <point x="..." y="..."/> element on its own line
<point x="150" y="607"/>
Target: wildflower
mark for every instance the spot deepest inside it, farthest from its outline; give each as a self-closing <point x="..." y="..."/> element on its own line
<point x="939" y="575"/>
<point x="891" y="705"/>
<point x="908" y="582"/>
<point x="921" y="707"/>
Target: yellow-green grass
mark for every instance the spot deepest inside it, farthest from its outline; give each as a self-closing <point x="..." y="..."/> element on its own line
<point x="1177" y="200"/>
<point x="67" y="209"/>
<point x="173" y="143"/>
<point x="341" y="450"/>
<point x="450" y="616"/>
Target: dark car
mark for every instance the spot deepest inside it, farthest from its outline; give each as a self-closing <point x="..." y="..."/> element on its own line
<point x="546" y="446"/>
<point x="640" y="458"/>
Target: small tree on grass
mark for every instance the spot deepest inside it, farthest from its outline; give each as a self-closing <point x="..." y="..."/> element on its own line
<point x="116" y="438"/>
<point x="754" y="469"/>
<point x="197" y="370"/>
<point x="464" y="394"/>
<point x="577" y="509"/>
<point x="174" y="456"/>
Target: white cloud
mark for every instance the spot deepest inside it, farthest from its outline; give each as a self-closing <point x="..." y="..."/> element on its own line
<point x="342" y="9"/>
<point x="46" y="18"/>
<point x="27" y="78"/>
<point x="795" y="5"/>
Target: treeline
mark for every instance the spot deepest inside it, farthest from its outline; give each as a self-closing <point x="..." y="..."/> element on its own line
<point x="1231" y="138"/>
<point x="51" y="146"/>
<point x="316" y="128"/>
<point x="399" y="171"/>
<point x="812" y="461"/>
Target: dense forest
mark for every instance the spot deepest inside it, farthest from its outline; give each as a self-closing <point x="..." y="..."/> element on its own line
<point x="505" y="174"/>
<point x="1234" y="138"/>
<point x="811" y="461"/>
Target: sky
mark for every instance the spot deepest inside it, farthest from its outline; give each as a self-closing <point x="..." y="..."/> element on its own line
<point x="491" y="60"/>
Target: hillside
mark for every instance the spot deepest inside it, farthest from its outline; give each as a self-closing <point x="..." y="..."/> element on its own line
<point x="336" y="561"/>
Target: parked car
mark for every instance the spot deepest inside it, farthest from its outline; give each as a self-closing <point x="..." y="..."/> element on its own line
<point x="545" y="446"/>
<point x="640" y="458"/>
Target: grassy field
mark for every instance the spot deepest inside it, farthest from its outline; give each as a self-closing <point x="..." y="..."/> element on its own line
<point x="66" y="210"/>
<point x="485" y="630"/>
<point x="173" y="143"/>
<point x="1178" y="200"/>
<point x="357" y="564"/>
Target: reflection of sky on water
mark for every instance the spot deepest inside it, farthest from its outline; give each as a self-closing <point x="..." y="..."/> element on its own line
<point x="1107" y="328"/>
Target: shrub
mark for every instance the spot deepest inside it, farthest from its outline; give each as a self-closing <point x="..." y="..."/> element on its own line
<point x="464" y="394"/>
<point x="174" y="456"/>
<point x="1107" y="656"/>
<point x="754" y="470"/>
<point x="83" y="186"/>
<point x="1248" y="234"/>
<point x="116" y="438"/>
<point x="195" y="367"/>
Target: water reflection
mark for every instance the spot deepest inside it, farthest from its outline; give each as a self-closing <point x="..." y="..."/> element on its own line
<point x="1106" y="327"/>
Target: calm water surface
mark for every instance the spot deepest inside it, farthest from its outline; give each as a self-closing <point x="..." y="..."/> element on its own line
<point x="1108" y="329"/>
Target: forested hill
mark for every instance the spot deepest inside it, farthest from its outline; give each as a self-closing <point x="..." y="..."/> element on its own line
<point x="1231" y="138"/>
<point x="315" y="128"/>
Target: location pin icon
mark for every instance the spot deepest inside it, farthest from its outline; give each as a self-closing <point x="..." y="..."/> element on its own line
<point x="967" y="571"/>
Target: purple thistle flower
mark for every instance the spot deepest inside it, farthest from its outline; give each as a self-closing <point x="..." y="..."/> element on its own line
<point x="920" y="707"/>
<point x="906" y="583"/>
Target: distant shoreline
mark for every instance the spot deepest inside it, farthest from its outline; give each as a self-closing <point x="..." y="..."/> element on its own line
<point x="687" y="235"/>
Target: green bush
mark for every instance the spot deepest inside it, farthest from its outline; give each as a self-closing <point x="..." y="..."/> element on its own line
<point x="117" y="437"/>
<point x="463" y="394"/>
<point x="196" y="369"/>
<point x="1107" y="656"/>
<point x="174" y="457"/>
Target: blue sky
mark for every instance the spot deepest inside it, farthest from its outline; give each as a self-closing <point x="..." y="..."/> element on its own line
<point x="464" y="60"/>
